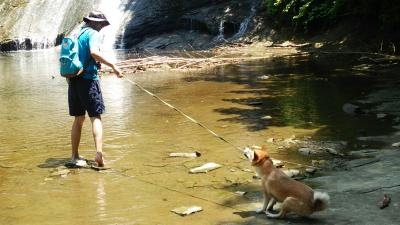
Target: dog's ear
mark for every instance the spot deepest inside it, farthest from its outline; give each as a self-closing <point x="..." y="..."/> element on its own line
<point x="259" y="155"/>
<point x="264" y="149"/>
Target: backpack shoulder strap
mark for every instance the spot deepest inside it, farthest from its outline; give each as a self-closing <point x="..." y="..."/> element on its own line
<point x="85" y="30"/>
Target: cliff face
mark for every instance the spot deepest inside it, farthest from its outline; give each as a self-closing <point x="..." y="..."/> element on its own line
<point x="29" y="24"/>
<point x="150" y="17"/>
<point x="175" y="23"/>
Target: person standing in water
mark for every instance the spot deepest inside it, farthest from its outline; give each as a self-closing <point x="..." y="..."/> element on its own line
<point x="84" y="93"/>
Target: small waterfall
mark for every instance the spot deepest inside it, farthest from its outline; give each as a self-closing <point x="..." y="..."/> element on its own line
<point x="226" y="27"/>
<point x="38" y="24"/>
<point x="221" y="36"/>
<point x="221" y="31"/>
<point x="115" y="13"/>
<point x="41" y="24"/>
<point x="244" y="24"/>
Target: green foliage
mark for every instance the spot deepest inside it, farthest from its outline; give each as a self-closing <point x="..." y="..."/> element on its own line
<point x="309" y="15"/>
<point x="303" y="13"/>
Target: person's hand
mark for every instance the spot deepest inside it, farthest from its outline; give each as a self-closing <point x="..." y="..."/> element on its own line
<point x="117" y="71"/>
<point x="98" y="66"/>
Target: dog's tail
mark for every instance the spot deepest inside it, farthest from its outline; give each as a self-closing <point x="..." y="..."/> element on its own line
<point x="321" y="201"/>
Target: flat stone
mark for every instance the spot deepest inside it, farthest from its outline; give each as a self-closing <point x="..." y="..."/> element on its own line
<point x="185" y="154"/>
<point x="205" y="168"/>
<point x="311" y="170"/>
<point x="270" y="140"/>
<point x="397" y="144"/>
<point x="240" y="193"/>
<point x="291" y="172"/>
<point x="264" y="77"/>
<point x="184" y="211"/>
<point x="306" y="151"/>
<point x="277" y="163"/>
<point x="266" y="117"/>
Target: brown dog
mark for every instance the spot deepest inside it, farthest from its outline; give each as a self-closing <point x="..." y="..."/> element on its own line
<point x="278" y="187"/>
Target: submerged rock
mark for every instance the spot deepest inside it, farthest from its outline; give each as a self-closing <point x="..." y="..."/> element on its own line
<point x="60" y="172"/>
<point x="351" y="109"/>
<point x="307" y="151"/>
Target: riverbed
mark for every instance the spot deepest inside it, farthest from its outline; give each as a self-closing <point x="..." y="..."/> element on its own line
<point x="280" y="97"/>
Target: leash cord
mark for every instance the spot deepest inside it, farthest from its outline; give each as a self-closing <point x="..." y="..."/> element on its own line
<point x="177" y="191"/>
<point x="200" y="124"/>
<point x="184" y="114"/>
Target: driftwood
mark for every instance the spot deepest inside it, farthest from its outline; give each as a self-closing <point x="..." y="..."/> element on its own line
<point x="157" y="63"/>
<point x="288" y="44"/>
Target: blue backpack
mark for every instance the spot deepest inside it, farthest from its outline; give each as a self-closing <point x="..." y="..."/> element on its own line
<point x="70" y="66"/>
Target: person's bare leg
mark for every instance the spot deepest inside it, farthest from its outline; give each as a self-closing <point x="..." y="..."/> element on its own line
<point x="97" y="130"/>
<point x="76" y="132"/>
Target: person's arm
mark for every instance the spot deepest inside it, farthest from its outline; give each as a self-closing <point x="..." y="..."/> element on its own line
<point x="95" y="53"/>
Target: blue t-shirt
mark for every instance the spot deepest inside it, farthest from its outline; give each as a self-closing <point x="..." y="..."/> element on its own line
<point x="89" y="38"/>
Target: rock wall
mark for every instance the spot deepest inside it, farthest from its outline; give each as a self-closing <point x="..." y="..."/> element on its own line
<point x="150" y="17"/>
<point x="209" y="18"/>
<point x="30" y="24"/>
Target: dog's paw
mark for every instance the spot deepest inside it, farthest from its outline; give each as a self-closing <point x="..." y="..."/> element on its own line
<point x="272" y="215"/>
<point x="260" y="210"/>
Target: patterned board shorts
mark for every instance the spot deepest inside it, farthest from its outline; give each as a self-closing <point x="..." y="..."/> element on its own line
<point x="85" y="95"/>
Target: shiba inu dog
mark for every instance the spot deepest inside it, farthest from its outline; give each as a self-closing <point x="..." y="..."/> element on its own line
<point x="295" y="196"/>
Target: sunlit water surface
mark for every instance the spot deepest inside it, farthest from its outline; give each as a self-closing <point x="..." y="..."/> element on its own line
<point x="143" y="184"/>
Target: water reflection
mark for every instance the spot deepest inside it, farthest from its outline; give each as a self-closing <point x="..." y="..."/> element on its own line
<point x="101" y="199"/>
<point x="299" y="92"/>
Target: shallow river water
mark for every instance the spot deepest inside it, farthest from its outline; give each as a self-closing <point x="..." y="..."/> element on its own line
<point x="247" y="104"/>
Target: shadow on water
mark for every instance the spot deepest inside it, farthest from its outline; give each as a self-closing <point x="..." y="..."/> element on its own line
<point x="303" y="92"/>
<point x="262" y="219"/>
<point x="54" y="162"/>
<point x="250" y="217"/>
<point x="61" y="162"/>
